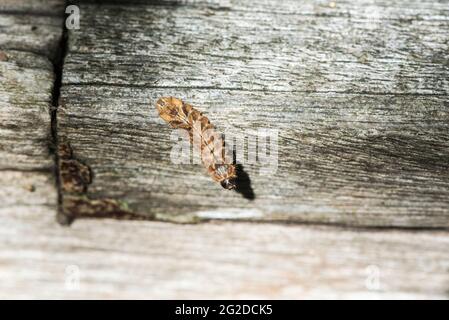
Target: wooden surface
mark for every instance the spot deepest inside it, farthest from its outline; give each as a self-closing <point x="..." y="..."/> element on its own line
<point x="31" y="26"/>
<point x="358" y="91"/>
<point x="143" y="260"/>
<point x="28" y="40"/>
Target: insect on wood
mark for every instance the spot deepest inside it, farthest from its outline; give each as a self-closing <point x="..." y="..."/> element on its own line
<point x="203" y="136"/>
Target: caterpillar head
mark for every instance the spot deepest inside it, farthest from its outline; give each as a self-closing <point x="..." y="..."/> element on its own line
<point x="225" y="173"/>
<point x="229" y="183"/>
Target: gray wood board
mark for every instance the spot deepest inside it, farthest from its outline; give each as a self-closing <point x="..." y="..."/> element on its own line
<point x="363" y="157"/>
<point x="31" y="32"/>
<point x="359" y="100"/>
<point x="33" y="7"/>
<point x="371" y="152"/>
<point x="29" y="39"/>
<point x="107" y="259"/>
<point x="25" y="93"/>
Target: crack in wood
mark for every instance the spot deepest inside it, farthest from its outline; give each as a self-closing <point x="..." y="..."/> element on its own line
<point x="56" y="94"/>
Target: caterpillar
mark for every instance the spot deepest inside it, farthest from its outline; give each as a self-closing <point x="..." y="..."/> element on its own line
<point x="181" y="115"/>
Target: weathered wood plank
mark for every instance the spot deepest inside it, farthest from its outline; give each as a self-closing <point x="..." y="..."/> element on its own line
<point x="22" y="192"/>
<point x="25" y="99"/>
<point x="127" y="143"/>
<point x="188" y="46"/>
<point x="360" y="103"/>
<point x="39" y="34"/>
<point x="29" y="38"/>
<point x="141" y="259"/>
<point x="33" y="7"/>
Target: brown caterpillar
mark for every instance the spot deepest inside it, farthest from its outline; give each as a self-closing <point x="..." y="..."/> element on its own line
<point x="204" y="137"/>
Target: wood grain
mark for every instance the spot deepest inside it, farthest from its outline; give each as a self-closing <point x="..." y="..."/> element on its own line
<point x="358" y="94"/>
<point x="154" y="260"/>
<point x="29" y="39"/>
<point x="33" y="7"/>
<point x="26" y="93"/>
<point x="31" y="32"/>
<point x="365" y="146"/>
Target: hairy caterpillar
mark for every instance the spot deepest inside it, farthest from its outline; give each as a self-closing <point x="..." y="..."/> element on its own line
<point x="203" y="136"/>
